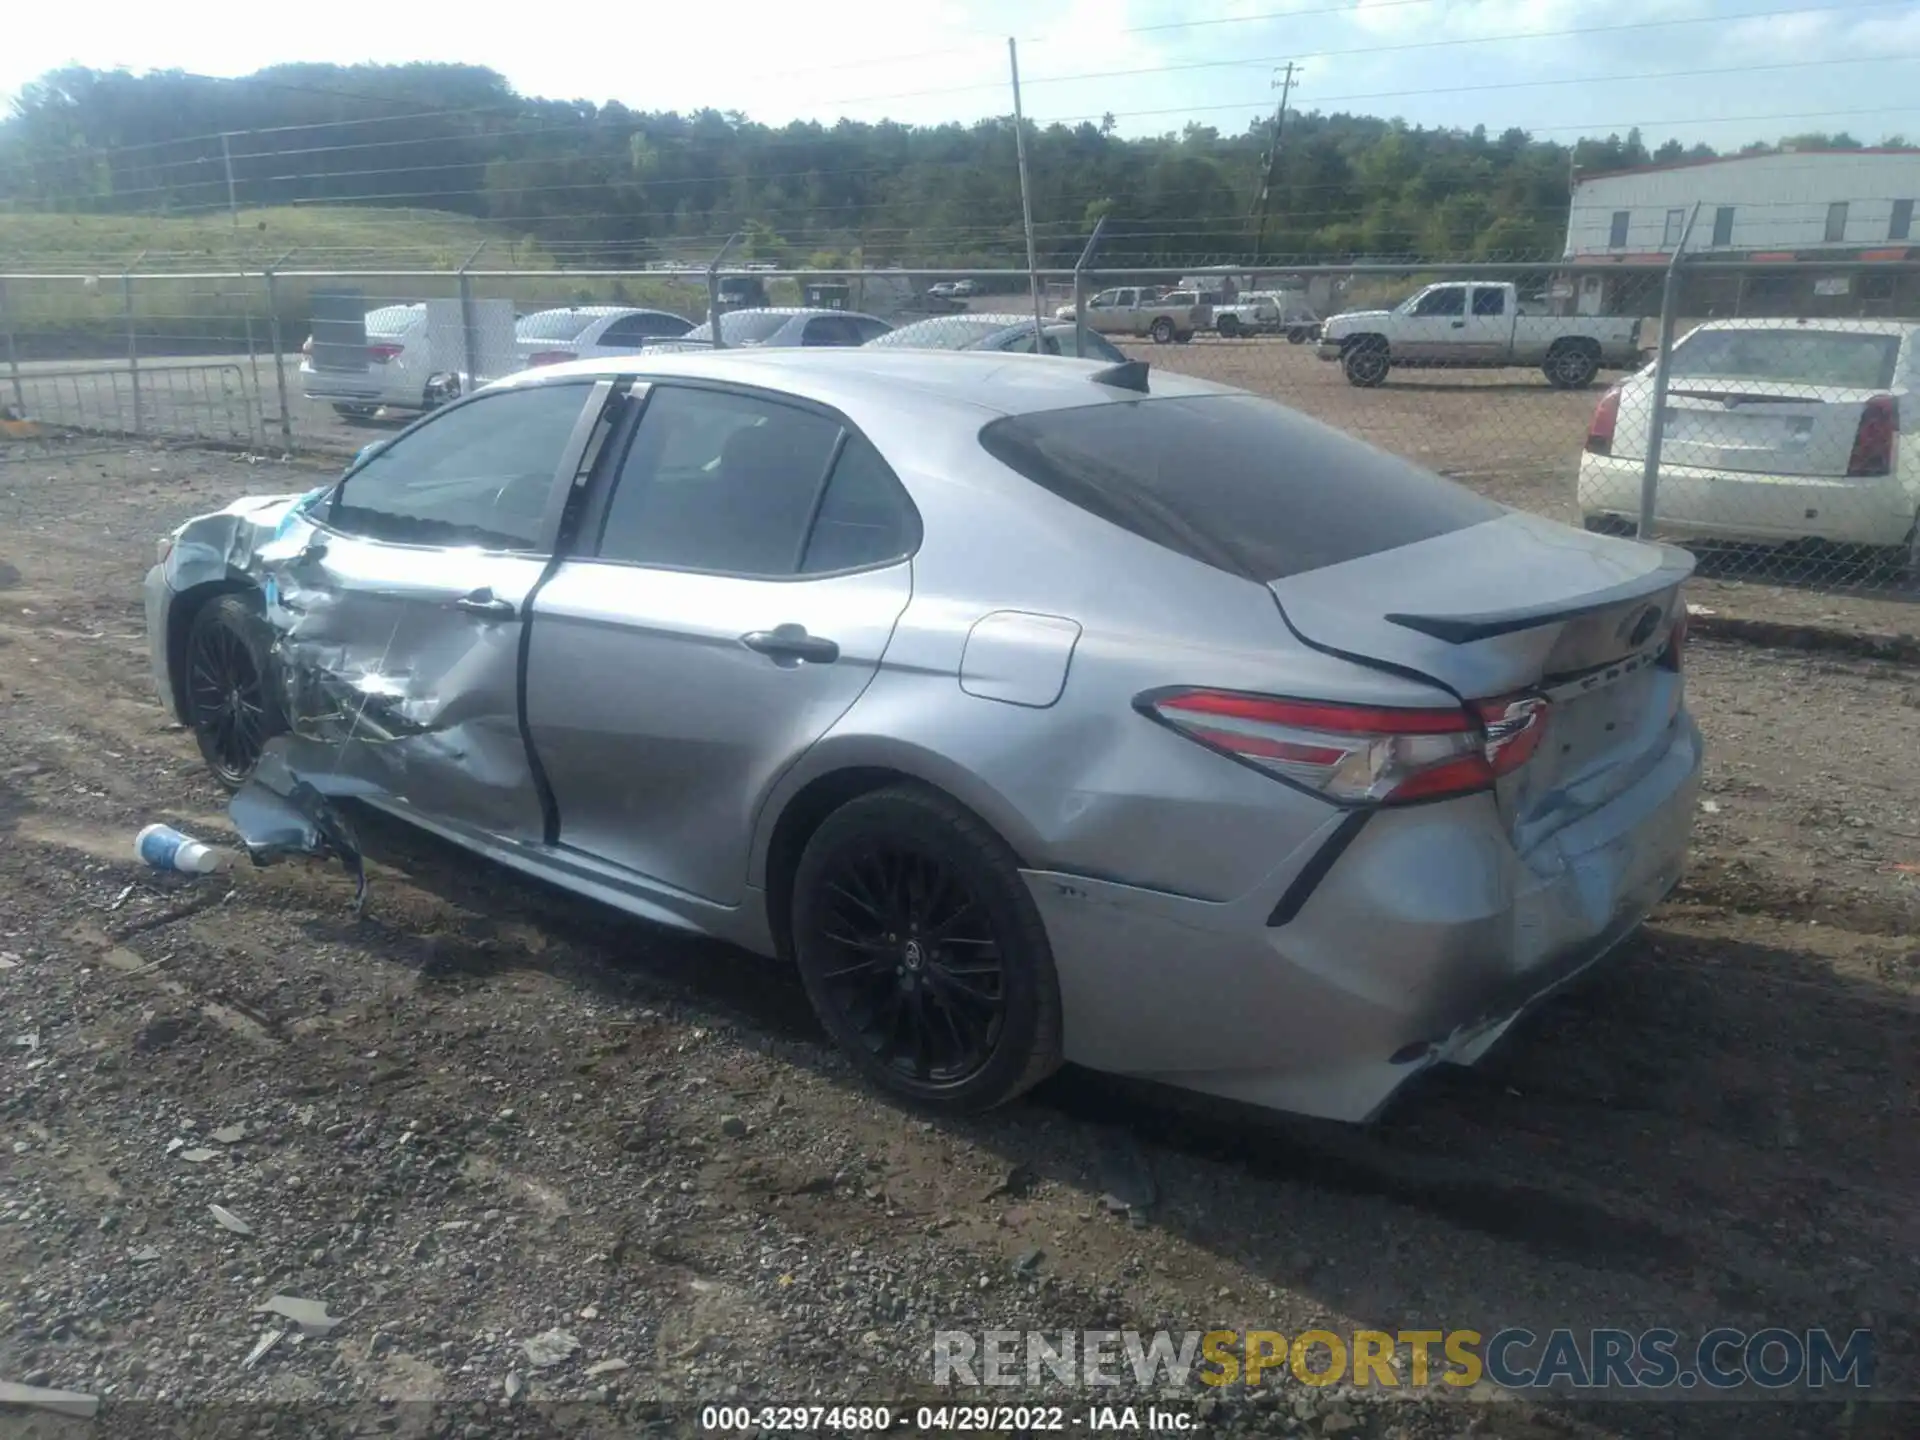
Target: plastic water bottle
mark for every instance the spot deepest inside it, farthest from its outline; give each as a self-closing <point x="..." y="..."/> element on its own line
<point x="165" y="848"/>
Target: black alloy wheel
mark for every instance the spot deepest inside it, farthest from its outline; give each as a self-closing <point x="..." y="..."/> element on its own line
<point x="922" y="952"/>
<point x="228" y="705"/>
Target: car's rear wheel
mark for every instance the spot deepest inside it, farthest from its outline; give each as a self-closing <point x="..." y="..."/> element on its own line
<point x="230" y="705"/>
<point x="1162" y="331"/>
<point x="1571" y="366"/>
<point x="923" y="953"/>
<point x="1229" y="327"/>
<point x="1297" y="335"/>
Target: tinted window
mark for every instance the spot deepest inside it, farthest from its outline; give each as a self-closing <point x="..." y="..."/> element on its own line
<point x="1106" y="297"/>
<point x="1900" y="225"/>
<point x="479" y="474"/>
<point x="715" y="481"/>
<point x="638" y="329"/>
<point x="865" y="518"/>
<point x="1233" y="481"/>
<point x="1723" y="225"/>
<point x="868" y="328"/>
<point x="1617" y="230"/>
<point x="831" y="330"/>
<point x="1451" y="301"/>
<point x="554" y="325"/>
<point x="1489" y="300"/>
<point x="742" y="327"/>
<point x="1805" y="357"/>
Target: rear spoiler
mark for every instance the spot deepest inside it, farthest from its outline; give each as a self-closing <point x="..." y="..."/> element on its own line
<point x="1675" y="566"/>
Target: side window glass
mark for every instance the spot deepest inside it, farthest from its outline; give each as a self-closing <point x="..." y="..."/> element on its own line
<point x="718" y="482"/>
<point x="628" y="330"/>
<point x="1105" y="299"/>
<point x="865" y="517"/>
<point x="1451" y="301"/>
<point x="479" y="474"/>
<point x="1487" y="300"/>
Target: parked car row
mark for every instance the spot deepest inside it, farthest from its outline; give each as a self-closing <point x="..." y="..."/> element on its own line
<point x="402" y="366"/>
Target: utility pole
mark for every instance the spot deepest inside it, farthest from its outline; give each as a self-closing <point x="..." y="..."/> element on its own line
<point x="1272" y="158"/>
<point x="226" y="159"/>
<point x="1026" y="197"/>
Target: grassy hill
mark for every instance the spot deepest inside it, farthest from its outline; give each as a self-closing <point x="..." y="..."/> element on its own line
<point x="308" y="237"/>
<point x="83" y="313"/>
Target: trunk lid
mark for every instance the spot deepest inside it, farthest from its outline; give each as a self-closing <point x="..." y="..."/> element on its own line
<point x="1520" y="604"/>
<point x="1751" y="427"/>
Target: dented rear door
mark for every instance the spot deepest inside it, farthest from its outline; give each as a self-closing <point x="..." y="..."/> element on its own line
<point x="399" y="606"/>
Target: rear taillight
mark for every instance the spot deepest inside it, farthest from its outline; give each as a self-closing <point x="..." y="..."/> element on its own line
<point x="1605" y="416"/>
<point x="551" y="357"/>
<point x="1356" y="754"/>
<point x="1873" y="440"/>
<point x="380" y="354"/>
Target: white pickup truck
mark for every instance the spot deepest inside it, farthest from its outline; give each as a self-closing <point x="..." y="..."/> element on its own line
<point x="1478" y="323"/>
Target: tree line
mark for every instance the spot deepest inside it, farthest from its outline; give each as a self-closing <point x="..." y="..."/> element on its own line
<point x="629" y="185"/>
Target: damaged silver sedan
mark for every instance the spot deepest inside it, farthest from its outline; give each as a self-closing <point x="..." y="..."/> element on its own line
<point x="1035" y="709"/>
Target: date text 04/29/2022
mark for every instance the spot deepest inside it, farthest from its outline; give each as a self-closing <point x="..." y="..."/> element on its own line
<point x="945" y="1419"/>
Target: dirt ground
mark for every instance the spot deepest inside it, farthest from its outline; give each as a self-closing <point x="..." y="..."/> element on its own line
<point x="487" y="1111"/>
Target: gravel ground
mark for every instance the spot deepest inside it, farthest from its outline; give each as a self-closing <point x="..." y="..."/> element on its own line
<point x="488" y="1111"/>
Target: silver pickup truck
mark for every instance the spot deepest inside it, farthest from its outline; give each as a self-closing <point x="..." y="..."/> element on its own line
<point x="1141" y="310"/>
<point x="1268" y="312"/>
<point x="1479" y="323"/>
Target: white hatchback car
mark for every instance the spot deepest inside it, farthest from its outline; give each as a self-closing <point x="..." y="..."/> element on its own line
<point x="1774" y="431"/>
<point x="592" y="332"/>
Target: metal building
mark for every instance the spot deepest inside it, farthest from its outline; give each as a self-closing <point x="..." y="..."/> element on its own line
<point x="1795" y="208"/>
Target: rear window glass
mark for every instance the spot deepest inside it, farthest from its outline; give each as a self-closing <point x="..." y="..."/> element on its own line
<point x="1790" y="355"/>
<point x="553" y="325"/>
<point x="742" y="327"/>
<point x="1233" y="481"/>
<point x="390" y="319"/>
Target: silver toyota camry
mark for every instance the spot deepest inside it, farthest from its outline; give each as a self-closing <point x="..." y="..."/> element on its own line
<point x="1036" y="709"/>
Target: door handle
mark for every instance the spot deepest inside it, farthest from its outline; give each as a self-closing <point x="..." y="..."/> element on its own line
<point x="791" y="642"/>
<point x="485" y="602"/>
<point x="1459" y="324"/>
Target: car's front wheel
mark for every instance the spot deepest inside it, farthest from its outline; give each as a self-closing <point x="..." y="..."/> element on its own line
<point x="1162" y="331"/>
<point x="1366" y="362"/>
<point x="923" y="953"/>
<point x="230" y="704"/>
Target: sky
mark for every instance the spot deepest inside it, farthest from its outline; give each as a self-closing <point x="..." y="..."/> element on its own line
<point x="1720" y="71"/>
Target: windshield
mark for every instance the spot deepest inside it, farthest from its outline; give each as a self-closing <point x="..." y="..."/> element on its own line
<point x="1790" y="356"/>
<point x="553" y="325"/>
<point x="946" y="332"/>
<point x="742" y="327"/>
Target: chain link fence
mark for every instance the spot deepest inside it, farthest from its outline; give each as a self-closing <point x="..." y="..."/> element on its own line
<point x="1763" y="415"/>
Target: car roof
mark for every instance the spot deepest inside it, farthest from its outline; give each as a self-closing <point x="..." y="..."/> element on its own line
<point x="798" y="310"/>
<point x="989" y="380"/>
<point x="595" y="310"/>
